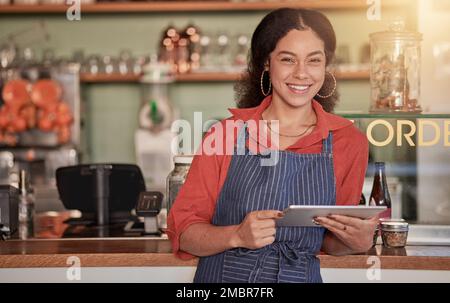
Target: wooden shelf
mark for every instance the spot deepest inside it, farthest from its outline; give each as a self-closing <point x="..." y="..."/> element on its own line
<point x="191" y="77"/>
<point x="108" y="78"/>
<point x="200" y="6"/>
<point x="356" y="75"/>
<point x="200" y="77"/>
<point x="208" y="77"/>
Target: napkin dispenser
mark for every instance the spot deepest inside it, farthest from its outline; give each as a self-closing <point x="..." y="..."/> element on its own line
<point x="148" y="206"/>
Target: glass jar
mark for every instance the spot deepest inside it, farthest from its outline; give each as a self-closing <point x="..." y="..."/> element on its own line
<point x="395" y="70"/>
<point x="26" y="207"/>
<point x="176" y="178"/>
<point x="394" y="233"/>
<point x="377" y="228"/>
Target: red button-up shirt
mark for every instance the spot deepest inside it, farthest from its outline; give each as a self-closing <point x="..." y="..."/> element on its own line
<point x="197" y="198"/>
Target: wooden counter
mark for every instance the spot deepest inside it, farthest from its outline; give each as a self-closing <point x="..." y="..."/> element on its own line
<point x="156" y="252"/>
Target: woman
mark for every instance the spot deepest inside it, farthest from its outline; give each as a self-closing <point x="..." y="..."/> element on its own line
<point x="226" y="211"/>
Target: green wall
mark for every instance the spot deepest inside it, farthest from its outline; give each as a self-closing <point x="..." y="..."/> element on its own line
<point x="110" y="110"/>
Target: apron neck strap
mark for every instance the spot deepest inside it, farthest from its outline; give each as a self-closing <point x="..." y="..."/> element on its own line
<point x="241" y="146"/>
<point x="327" y="145"/>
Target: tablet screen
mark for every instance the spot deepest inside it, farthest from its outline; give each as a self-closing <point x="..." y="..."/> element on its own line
<point x="303" y="215"/>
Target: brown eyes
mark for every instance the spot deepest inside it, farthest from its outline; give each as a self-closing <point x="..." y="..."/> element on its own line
<point x="288" y="60"/>
<point x="291" y="60"/>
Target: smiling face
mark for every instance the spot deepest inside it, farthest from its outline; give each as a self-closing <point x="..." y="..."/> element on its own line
<point x="297" y="68"/>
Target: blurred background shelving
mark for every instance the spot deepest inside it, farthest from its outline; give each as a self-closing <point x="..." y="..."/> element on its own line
<point x="199" y="77"/>
<point x="106" y="28"/>
<point x="183" y="6"/>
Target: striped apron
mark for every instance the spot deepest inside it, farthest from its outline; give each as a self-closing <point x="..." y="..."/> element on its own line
<point x="302" y="179"/>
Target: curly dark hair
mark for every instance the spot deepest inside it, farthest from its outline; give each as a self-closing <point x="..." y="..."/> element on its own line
<point x="269" y="31"/>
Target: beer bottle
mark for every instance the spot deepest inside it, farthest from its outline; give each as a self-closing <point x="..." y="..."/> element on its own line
<point x="380" y="192"/>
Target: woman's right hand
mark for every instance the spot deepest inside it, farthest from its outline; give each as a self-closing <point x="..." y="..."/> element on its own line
<point x="257" y="229"/>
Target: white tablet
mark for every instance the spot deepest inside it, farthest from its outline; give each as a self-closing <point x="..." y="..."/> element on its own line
<point x="303" y="215"/>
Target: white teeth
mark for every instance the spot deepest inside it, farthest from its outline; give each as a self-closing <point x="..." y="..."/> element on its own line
<point x="298" y="87"/>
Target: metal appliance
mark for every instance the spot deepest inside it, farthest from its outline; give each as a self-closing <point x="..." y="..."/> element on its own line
<point x="9" y="210"/>
<point x="36" y="151"/>
<point x="153" y="138"/>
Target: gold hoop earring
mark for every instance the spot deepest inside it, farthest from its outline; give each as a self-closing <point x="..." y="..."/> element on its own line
<point x="332" y="91"/>
<point x="262" y="86"/>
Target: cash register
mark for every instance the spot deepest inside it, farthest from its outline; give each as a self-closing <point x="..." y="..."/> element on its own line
<point x="112" y="199"/>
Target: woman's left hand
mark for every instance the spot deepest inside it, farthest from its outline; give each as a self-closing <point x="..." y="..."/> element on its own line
<point x="355" y="233"/>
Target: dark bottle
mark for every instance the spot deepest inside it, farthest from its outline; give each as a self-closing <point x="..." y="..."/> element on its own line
<point x="362" y="200"/>
<point x="380" y="192"/>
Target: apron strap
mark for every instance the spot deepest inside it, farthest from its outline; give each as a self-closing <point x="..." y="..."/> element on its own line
<point x="241" y="146"/>
<point x="327" y="144"/>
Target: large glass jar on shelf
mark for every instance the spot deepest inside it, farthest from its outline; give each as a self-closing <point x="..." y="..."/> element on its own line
<point x="176" y="178"/>
<point x="395" y="70"/>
